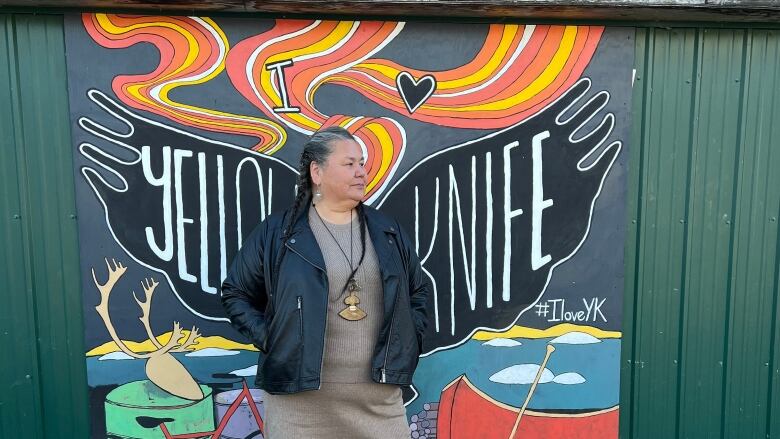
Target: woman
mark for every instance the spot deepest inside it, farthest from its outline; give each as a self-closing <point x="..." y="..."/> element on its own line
<point x="332" y="294"/>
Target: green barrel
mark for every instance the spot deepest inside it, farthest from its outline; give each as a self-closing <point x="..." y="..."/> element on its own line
<point x="131" y="410"/>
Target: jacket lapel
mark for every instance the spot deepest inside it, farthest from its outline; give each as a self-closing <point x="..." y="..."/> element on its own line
<point x="383" y="236"/>
<point x="303" y="242"/>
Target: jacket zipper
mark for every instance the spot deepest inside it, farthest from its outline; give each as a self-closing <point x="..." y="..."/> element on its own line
<point x="300" y="317"/>
<point x="304" y="257"/>
<point x="300" y="300"/>
<point x="300" y="332"/>
<point x="389" y="338"/>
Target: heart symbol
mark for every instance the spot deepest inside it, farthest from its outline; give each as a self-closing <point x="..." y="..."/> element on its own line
<point x="415" y="92"/>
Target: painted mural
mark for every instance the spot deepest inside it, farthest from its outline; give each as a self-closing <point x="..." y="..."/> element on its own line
<point x="500" y="148"/>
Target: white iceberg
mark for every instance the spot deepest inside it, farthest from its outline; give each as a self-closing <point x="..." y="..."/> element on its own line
<point x="212" y="352"/>
<point x="521" y="374"/>
<point x="502" y="342"/>
<point x="569" y="378"/>
<point x="118" y="355"/>
<point x="575" y="337"/>
<point x="246" y="372"/>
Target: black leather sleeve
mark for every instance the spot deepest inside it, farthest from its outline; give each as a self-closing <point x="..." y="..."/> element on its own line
<point x="419" y="287"/>
<point x="244" y="294"/>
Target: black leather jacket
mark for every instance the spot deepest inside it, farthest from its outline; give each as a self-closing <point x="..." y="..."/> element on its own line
<point x="284" y="313"/>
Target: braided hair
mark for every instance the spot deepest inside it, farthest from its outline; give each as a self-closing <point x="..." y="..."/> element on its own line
<point x="317" y="149"/>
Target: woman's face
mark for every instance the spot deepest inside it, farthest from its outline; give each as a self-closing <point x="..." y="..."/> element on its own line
<point x="342" y="177"/>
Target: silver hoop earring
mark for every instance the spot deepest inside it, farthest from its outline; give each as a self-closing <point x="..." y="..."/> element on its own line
<point x="317" y="194"/>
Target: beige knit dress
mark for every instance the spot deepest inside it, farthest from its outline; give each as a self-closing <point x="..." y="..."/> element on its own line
<point x="348" y="404"/>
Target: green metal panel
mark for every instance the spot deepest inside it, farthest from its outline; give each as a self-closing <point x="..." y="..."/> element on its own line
<point x="636" y="161"/>
<point x="665" y="126"/>
<point x="700" y="333"/>
<point x="753" y="285"/>
<point x="714" y="148"/>
<point x="19" y="402"/>
<point x="760" y="188"/>
<point x="43" y="371"/>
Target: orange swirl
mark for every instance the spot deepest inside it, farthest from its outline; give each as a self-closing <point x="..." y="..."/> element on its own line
<point x="192" y="51"/>
<point x="519" y="70"/>
<point x="317" y="49"/>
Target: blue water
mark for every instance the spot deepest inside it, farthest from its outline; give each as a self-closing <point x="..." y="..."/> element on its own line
<point x="598" y="363"/>
<point x="203" y="369"/>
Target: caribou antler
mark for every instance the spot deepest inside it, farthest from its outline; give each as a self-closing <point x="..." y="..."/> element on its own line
<point x="172" y="342"/>
<point x="161" y="367"/>
<point x="194" y="334"/>
<point x="114" y="273"/>
<point x="149" y="286"/>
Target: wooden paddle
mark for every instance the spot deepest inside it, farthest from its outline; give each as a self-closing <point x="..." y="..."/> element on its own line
<point x="550" y="349"/>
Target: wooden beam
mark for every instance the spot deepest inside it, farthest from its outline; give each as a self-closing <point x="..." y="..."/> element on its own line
<point x="767" y="11"/>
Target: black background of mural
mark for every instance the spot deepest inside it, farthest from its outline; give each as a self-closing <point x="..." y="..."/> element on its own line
<point x="605" y="243"/>
<point x="564" y="222"/>
<point x="130" y="212"/>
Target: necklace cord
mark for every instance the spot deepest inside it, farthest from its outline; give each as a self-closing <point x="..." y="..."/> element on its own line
<point x="351" y="245"/>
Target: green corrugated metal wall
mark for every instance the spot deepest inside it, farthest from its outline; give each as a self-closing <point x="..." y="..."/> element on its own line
<point x="700" y="341"/>
<point x="700" y="334"/>
<point x="42" y="368"/>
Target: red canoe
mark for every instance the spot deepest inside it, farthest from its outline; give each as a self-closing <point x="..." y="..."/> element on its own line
<point x="465" y="412"/>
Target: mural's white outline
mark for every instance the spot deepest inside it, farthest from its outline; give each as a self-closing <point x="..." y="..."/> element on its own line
<point x="453" y="189"/>
<point x="523" y="42"/>
<point x="84" y="124"/>
<point x="252" y="61"/>
<point x="278" y="67"/>
<point x="321" y="77"/>
<point x="527" y="34"/>
<point x="84" y="146"/>
<point x="222" y="222"/>
<point x="335" y="47"/>
<point x="430" y="247"/>
<point x="489" y="226"/>
<point x="85" y="121"/>
<point x="538" y="202"/>
<point x="181" y="260"/>
<point x="204" y="225"/>
<point x="155" y="91"/>
<point x="509" y="213"/>
<point x="164" y="180"/>
<point x="415" y="83"/>
<point x="614" y="145"/>
<point x="261" y="187"/>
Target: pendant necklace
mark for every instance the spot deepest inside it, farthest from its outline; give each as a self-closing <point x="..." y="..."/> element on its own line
<point x="352" y="311"/>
